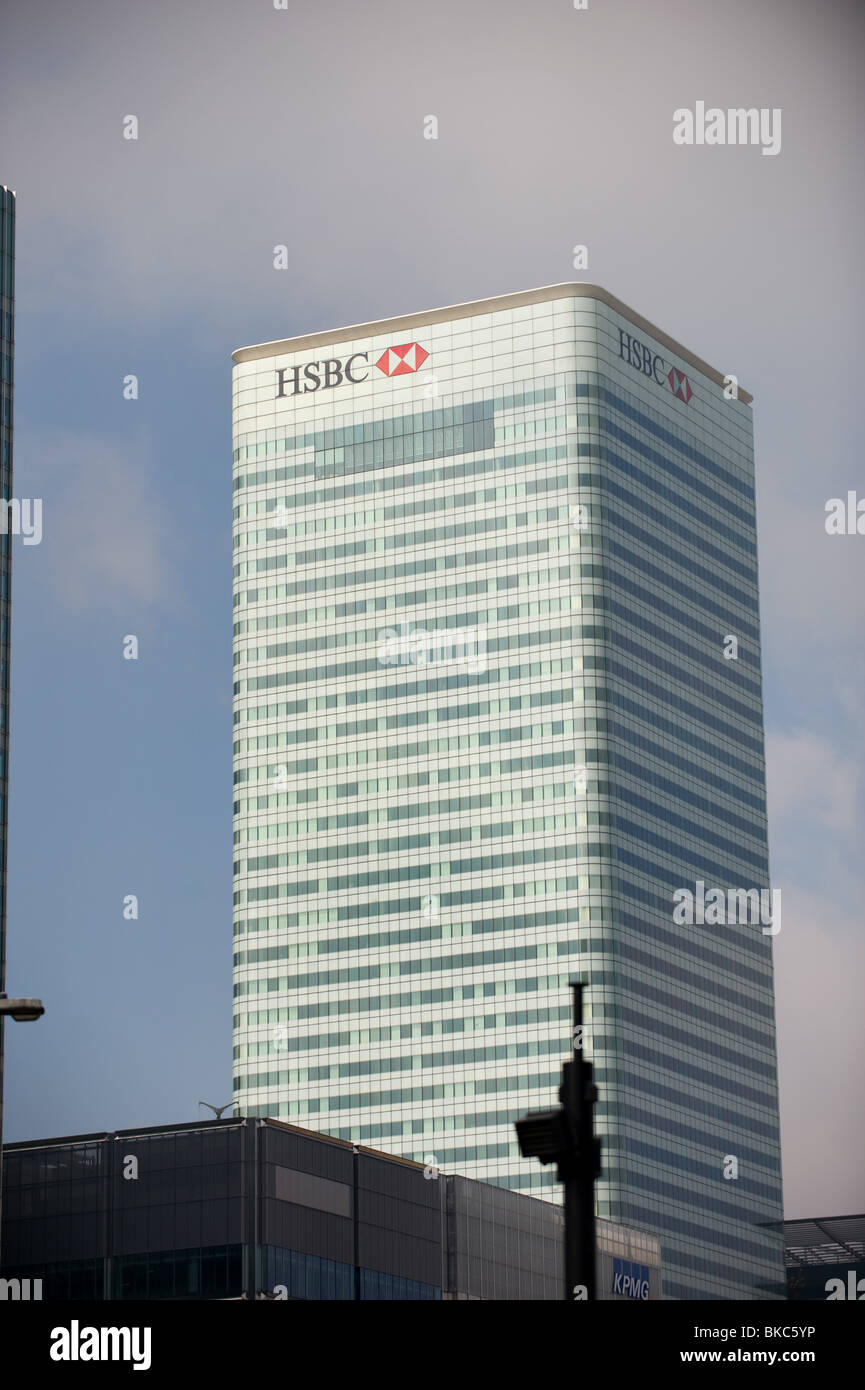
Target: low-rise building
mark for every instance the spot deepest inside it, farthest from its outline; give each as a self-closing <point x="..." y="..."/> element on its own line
<point x="257" y="1208"/>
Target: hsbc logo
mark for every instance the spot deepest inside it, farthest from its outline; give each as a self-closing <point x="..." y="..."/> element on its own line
<point x="336" y="371"/>
<point x="319" y="376"/>
<point x="679" y="385"/>
<point x="397" y="361"/>
<point x="642" y="359"/>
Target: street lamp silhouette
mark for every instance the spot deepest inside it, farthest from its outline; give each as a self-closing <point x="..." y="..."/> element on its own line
<point x="25" y="1010"/>
<point x="217" y="1109"/>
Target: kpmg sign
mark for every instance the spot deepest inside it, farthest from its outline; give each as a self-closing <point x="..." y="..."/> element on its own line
<point x="630" y="1280"/>
<point x="334" y="371"/>
<point x="650" y="363"/>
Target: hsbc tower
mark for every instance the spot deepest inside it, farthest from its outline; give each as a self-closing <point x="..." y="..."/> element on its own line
<point x="497" y="707"/>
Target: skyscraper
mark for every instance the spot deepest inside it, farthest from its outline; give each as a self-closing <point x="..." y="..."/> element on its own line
<point x="7" y="347"/>
<point x="498" y="711"/>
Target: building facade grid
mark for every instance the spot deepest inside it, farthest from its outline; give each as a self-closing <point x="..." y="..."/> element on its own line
<point x="428" y="849"/>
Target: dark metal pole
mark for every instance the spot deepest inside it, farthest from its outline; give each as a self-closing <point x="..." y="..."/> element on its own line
<point x="2" y="1041"/>
<point x="578" y="1095"/>
<point x="574" y="1281"/>
<point x="566" y="1137"/>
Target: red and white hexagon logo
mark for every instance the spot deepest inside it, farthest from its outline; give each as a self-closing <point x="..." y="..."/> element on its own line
<point x="679" y="384"/>
<point x="397" y="361"/>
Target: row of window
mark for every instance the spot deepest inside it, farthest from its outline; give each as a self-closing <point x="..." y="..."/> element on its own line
<point x="465" y="412"/>
<point x="306" y="1276"/>
<point x="675" y="1043"/>
<point x="403" y="690"/>
<point x="404" y="781"/>
<point x="692" y="863"/>
<point x="397" y="449"/>
<point x="400" y="999"/>
<point x="408" y="873"/>
<point x="429" y="565"/>
<point x="356" y="637"/>
<point x="409" y="1095"/>
<point x="384" y="1066"/>
<point x="602" y="574"/>
<point x="447" y="806"/>
<point x="419" y="999"/>
<point x="625" y="674"/>
<point x="743" y="537"/>
<point x="671" y="1132"/>
<point x="659" y="1216"/>
<point x="599" y="481"/>
<point x="467" y="960"/>
<point x="591" y="387"/>
<point x="504" y="493"/>
<point x="431" y="930"/>
<point x="475" y="670"/>
<point x="443" y="477"/>
<point x="467" y="588"/>
<point x="481" y="526"/>
<point x="626" y="553"/>
<point x="537" y="825"/>
<point x="476" y="709"/>
<point x="473" y="1023"/>
<point x="278" y="1041"/>
<point x="651" y="898"/>
<point x="650" y="483"/>
<point x="600" y="388"/>
<point x="448" y="646"/>
<point x="648" y="1086"/>
<point x="408" y="598"/>
<point x="669" y="953"/>
<point x="382" y="752"/>
<point x="644" y="775"/>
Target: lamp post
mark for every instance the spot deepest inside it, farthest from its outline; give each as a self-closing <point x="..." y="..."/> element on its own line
<point x="566" y="1137"/>
<point x="217" y="1109"/>
<point x="22" y="1011"/>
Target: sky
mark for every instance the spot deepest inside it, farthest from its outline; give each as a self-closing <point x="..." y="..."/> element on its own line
<point x="304" y="126"/>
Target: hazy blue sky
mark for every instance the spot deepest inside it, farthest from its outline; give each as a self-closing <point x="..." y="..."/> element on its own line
<point x="305" y="127"/>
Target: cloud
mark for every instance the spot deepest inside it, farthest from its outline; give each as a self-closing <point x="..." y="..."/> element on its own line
<point x="819" y="968"/>
<point x="261" y="127"/>
<point x="103" y="538"/>
<point x="816" y="830"/>
<point x="813" y="784"/>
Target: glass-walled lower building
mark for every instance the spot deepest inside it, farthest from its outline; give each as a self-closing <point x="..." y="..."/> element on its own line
<point x="259" y="1209"/>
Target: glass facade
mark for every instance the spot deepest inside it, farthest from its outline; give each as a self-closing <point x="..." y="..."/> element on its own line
<point x="7" y="350"/>
<point x="485" y="730"/>
<point x="258" y="1209"/>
